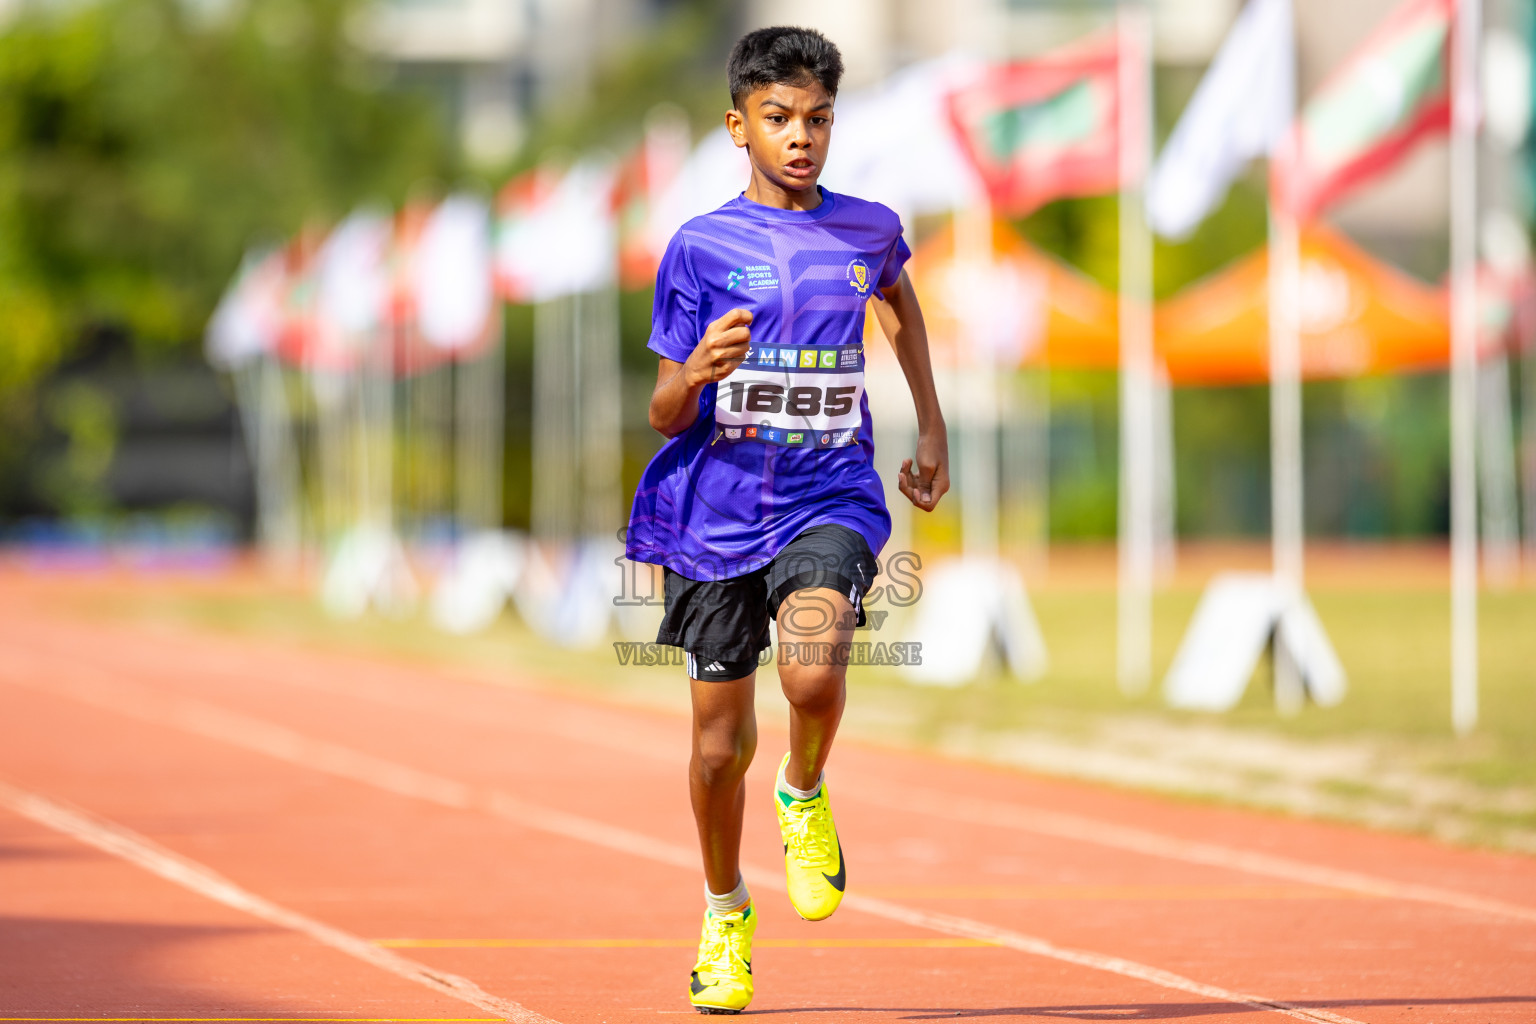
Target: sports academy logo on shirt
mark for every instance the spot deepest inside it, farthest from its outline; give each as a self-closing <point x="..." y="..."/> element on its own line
<point x="750" y="279"/>
<point x="858" y="277"/>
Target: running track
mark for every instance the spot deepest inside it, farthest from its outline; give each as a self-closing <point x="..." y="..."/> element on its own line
<point x="196" y="827"/>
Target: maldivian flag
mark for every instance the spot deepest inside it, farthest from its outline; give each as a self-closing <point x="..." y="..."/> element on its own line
<point x="1392" y="93"/>
<point x="296" y="335"/>
<point x="1044" y="129"/>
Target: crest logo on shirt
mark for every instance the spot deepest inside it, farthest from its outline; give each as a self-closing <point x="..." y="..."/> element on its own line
<point x="858" y="277"/>
<point x="736" y="277"/>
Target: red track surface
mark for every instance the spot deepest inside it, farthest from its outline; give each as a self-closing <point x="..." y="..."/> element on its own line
<point x="498" y="831"/>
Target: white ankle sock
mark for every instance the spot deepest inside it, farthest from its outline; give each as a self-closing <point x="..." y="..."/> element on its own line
<point x="731" y="901"/>
<point x="800" y="794"/>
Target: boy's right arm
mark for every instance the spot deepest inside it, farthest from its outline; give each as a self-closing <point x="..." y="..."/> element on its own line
<point x="675" y="402"/>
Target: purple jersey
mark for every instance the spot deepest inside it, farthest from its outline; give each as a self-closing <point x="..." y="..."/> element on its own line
<point x="784" y="442"/>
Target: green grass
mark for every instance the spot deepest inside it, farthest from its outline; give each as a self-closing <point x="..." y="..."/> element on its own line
<point x="1394" y="645"/>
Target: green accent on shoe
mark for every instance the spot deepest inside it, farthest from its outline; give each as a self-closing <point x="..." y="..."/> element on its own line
<point x="789" y="798"/>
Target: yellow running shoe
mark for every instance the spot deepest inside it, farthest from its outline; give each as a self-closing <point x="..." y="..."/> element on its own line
<point x="722" y="977"/>
<point x="813" y="858"/>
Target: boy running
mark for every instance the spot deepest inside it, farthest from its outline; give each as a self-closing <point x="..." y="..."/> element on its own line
<point x="764" y="502"/>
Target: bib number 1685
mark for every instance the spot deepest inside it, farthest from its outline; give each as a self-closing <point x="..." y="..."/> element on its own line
<point x="805" y="400"/>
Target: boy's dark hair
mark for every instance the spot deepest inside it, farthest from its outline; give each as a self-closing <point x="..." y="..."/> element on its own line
<point x="782" y="55"/>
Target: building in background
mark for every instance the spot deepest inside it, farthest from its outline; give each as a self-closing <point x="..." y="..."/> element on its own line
<point x="878" y="36"/>
<point x="497" y="62"/>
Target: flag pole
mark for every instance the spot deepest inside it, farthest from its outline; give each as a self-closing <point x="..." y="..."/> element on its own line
<point x="1464" y="115"/>
<point x="1288" y="544"/>
<point x="978" y="416"/>
<point x="1137" y="445"/>
<point x="1287" y="484"/>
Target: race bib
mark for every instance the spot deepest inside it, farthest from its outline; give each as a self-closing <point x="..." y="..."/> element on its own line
<point x="806" y="397"/>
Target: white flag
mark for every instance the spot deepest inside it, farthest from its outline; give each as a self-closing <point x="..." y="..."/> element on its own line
<point x="1242" y="110"/>
<point x="455" y="300"/>
<point x="352" y="284"/>
<point x="249" y="318"/>
<point x="578" y="239"/>
<point x="564" y="241"/>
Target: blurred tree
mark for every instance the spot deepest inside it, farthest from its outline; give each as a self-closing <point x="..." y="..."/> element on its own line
<point x="680" y="61"/>
<point x="145" y="143"/>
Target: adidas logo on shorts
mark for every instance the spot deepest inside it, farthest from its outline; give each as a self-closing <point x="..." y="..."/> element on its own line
<point x="696" y="667"/>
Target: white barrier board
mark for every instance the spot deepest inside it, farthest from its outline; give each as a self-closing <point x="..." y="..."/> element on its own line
<point x="968" y="608"/>
<point x="485" y="571"/>
<point x="1238" y="618"/>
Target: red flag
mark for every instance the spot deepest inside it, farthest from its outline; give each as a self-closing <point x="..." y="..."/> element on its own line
<point x="412" y="355"/>
<point x="640" y="183"/>
<point x="1044" y="129"/>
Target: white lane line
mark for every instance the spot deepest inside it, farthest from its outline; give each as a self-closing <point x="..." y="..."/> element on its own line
<point x="963" y="927"/>
<point x="995" y="813"/>
<point x="1023" y="818"/>
<point x="279" y="742"/>
<point x="119" y="841"/>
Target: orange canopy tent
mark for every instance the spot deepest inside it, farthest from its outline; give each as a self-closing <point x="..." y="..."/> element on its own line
<point x="1358" y="315"/>
<point x="1024" y="308"/>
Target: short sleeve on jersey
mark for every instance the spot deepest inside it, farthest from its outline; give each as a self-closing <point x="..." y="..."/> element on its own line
<point x="674" y="316"/>
<point x="890" y="270"/>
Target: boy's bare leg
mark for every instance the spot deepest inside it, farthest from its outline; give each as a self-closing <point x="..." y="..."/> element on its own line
<point x="813" y="672"/>
<point x="724" y="740"/>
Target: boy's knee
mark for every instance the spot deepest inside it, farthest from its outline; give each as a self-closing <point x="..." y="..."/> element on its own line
<point x="725" y="754"/>
<point x="813" y="687"/>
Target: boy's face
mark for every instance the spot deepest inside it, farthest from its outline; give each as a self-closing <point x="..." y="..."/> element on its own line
<point x="786" y="130"/>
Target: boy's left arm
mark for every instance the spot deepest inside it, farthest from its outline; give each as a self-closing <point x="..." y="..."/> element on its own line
<point x="902" y="321"/>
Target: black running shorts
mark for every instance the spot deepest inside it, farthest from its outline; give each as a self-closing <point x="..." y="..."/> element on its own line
<point x="724" y="623"/>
